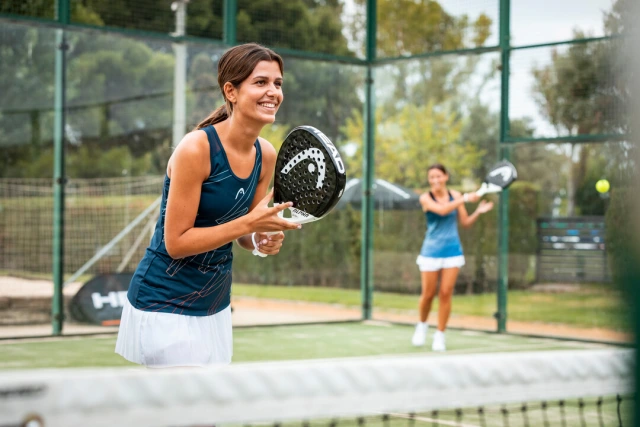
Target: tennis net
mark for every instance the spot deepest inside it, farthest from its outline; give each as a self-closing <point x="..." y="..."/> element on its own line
<point x="564" y="388"/>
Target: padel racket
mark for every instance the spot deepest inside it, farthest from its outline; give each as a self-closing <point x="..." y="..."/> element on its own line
<point x="310" y="173"/>
<point x="501" y="176"/>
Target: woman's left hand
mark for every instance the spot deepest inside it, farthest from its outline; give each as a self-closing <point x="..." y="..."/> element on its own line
<point x="269" y="244"/>
<point x="484" y="207"/>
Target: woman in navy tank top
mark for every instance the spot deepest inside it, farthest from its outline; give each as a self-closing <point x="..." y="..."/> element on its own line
<point x="215" y="191"/>
<point x="441" y="255"/>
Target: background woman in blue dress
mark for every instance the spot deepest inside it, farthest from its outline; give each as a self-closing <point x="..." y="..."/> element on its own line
<point x="441" y="256"/>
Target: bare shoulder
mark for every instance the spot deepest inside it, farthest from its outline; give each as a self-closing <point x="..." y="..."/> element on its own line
<point x="194" y="143"/>
<point x="424" y="197"/>
<point x="455" y="193"/>
<point x="193" y="152"/>
<point x="425" y="201"/>
<point x="268" y="150"/>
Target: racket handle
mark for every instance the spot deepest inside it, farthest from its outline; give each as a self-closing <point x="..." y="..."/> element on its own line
<point x="253" y="238"/>
<point x="255" y="246"/>
<point x="294" y="219"/>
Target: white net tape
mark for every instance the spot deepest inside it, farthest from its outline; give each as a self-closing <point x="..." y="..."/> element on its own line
<point x="282" y="391"/>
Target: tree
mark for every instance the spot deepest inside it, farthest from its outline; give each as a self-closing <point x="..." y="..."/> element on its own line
<point x="118" y="95"/>
<point x="583" y="91"/>
<point x="409" y="142"/>
<point x="38" y="8"/>
<point x="119" y="90"/>
<point x="320" y="94"/>
<point x="428" y="109"/>
<point x="304" y="25"/>
<point x="410" y="27"/>
<point x="317" y="93"/>
<point x="27" y="66"/>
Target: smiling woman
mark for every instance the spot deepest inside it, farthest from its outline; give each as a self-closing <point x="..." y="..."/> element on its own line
<point x="441" y="254"/>
<point x="215" y="191"/>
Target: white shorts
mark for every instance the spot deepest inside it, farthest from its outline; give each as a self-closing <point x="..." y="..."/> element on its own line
<point x="437" y="264"/>
<point x="162" y="340"/>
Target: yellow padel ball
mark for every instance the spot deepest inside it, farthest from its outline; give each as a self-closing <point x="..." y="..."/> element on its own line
<point x="602" y="186"/>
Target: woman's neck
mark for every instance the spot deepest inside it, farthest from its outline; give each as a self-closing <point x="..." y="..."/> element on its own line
<point x="440" y="193"/>
<point x="239" y="133"/>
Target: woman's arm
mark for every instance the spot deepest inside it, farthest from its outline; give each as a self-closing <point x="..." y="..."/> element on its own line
<point x="467" y="220"/>
<point x="269" y="156"/>
<point x="428" y="204"/>
<point x="188" y="168"/>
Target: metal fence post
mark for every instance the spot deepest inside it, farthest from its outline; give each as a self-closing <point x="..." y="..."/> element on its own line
<point x="504" y="153"/>
<point x="63" y="15"/>
<point x="366" y="263"/>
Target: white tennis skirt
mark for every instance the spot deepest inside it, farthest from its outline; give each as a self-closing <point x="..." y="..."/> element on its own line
<point x="162" y="340"/>
<point x="436" y="264"/>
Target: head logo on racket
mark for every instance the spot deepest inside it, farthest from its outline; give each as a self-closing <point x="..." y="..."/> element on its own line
<point x="317" y="165"/>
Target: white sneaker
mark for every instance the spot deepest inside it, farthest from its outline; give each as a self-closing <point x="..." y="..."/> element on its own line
<point x="438" y="342"/>
<point x="420" y="335"/>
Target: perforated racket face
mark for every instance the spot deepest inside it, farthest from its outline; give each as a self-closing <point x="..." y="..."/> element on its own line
<point x="309" y="172"/>
<point x="502" y="174"/>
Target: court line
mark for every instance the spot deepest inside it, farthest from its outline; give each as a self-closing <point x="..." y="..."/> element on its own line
<point x="433" y="420"/>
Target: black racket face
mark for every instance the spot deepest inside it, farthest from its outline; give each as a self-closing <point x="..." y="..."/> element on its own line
<point x="309" y="172"/>
<point x="502" y="174"/>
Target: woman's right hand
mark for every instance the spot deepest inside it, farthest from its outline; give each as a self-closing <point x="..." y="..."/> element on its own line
<point x="265" y="218"/>
<point x="484" y="206"/>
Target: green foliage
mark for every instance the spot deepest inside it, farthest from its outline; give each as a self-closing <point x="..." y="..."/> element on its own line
<point x="114" y="109"/>
<point x="407" y="27"/>
<point x="621" y="228"/>
<point x="573" y="92"/>
<point x="480" y="242"/>
<point x="323" y="253"/>
<point x="90" y="162"/>
<point x="36" y="8"/>
<point x="588" y="200"/>
<point x="327" y="252"/>
<point x="125" y="14"/>
<point x="584" y="90"/>
<point x="204" y="18"/>
<point x="275" y="134"/>
<point x="321" y="95"/>
<point x="428" y="110"/>
<point x="119" y="90"/>
<point x="293" y="24"/>
<point x="524" y="208"/>
<point x="407" y="143"/>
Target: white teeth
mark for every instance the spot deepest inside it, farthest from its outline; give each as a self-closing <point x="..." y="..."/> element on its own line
<point x="269" y="105"/>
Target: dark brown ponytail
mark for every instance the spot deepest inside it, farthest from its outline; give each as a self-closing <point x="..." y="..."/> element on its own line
<point x="235" y="66"/>
<point x="218" y="115"/>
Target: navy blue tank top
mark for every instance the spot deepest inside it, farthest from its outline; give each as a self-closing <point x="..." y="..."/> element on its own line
<point x="198" y="285"/>
<point x="441" y="239"/>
